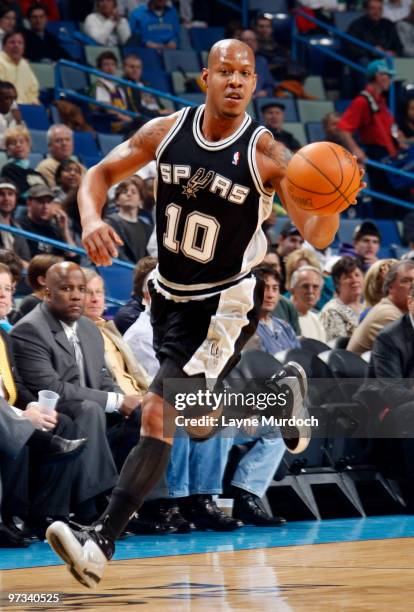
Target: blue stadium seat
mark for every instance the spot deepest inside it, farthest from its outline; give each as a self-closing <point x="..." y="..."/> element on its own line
<point x="175" y="59"/>
<point x="35" y="116"/>
<point x="35" y="159"/>
<point x="85" y="144"/>
<point x="151" y="59"/>
<point x="203" y="39"/>
<point x="315" y="131"/>
<point x="291" y="113"/>
<point x="118" y="281"/>
<point x="72" y="78"/>
<point x="39" y="141"/>
<point x="107" y="142"/>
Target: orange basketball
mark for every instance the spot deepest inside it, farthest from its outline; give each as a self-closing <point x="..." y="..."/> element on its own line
<point x="323" y="178"/>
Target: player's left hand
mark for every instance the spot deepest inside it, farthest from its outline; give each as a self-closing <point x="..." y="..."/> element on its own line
<point x="100" y="241"/>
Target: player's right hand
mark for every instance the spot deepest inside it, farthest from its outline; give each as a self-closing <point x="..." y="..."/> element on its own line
<point x="100" y="241"/>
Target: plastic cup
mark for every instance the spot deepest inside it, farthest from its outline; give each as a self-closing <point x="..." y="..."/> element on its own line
<point x="226" y="505"/>
<point x="47" y="400"/>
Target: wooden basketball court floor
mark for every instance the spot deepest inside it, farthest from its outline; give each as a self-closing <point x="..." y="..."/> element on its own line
<point x="348" y="564"/>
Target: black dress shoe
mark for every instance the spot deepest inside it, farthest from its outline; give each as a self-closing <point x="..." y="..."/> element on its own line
<point x="148" y="526"/>
<point x="170" y="511"/>
<point x="61" y="449"/>
<point x="204" y="513"/>
<point x="250" y="509"/>
<point x="10" y="539"/>
<point x="27" y="534"/>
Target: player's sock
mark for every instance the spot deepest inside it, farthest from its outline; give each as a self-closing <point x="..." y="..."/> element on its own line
<point x="140" y="473"/>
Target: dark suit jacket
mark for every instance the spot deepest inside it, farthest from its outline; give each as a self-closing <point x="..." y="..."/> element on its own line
<point x="392" y="358"/>
<point x="45" y="358"/>
<point x="24" y="396"/>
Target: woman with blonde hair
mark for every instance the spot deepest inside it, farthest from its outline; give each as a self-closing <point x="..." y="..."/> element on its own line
<point x="18" y="143"/>
<point x="373" y="282"/>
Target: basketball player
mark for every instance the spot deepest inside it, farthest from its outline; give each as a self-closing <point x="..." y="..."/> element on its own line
<point x="217" y="174"/>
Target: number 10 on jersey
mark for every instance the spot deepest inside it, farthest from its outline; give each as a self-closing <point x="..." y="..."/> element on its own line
<point x="199" y="237"/>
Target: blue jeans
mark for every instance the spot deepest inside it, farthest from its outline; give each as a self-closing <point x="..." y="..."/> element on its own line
<point x="258" y="466"/>
<point x="197" y="467"/>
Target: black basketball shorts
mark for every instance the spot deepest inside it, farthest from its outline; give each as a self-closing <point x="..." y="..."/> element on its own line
<point x="203" y="338"/>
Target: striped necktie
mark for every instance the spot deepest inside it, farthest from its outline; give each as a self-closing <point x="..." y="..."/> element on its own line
<point x="6" y="374"/>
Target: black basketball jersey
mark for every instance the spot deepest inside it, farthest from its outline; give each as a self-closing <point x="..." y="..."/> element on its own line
<point x="210" y="206"/>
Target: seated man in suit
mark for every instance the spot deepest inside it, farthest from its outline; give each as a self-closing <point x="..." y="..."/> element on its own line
<point x="56" y="348"/>
<point x="21" y="429"/>
<point x="50" y="493"/>
<point x="389" y="391"/>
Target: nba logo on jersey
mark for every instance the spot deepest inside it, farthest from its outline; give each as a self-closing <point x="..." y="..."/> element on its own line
<point x="236" y="158"/>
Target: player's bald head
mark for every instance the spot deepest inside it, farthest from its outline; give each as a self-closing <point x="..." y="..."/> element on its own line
<point x="230" y="49"/>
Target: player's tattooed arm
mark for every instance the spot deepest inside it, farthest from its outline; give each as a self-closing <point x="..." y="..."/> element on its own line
<point x="278" y="153"/>
<point x="131" y="155"/>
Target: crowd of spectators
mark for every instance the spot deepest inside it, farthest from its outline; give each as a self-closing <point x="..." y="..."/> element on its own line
<point x="60" y="337"/>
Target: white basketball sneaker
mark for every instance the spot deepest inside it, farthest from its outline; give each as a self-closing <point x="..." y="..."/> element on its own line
<point x="85" y="550"/>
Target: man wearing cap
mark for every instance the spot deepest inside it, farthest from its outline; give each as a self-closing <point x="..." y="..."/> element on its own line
<point x="367" y="243"/>
<point x="274" y="115"/>
<point x="13" y="242"/>
<point x="46" y="219"/>
<point x="368" y="114"/>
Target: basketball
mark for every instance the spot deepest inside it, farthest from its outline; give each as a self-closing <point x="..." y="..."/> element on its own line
<point x="323" y="178"/>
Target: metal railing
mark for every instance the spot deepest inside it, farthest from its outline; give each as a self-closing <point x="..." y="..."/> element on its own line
<point x="64" y="92"/>
<point x="63" y="246"/>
